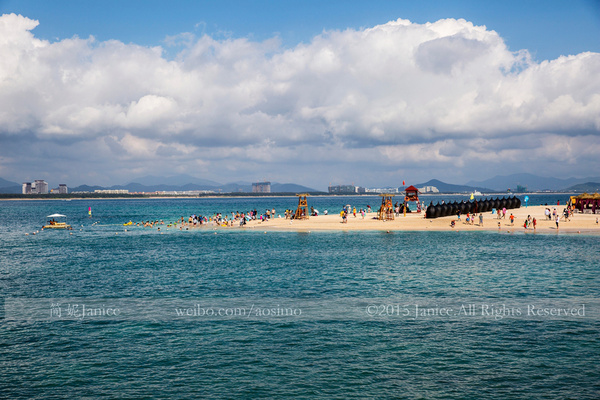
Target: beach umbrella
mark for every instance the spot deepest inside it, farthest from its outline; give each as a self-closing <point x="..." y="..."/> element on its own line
<point x="484" y="206"/>
<point x="446" y="210"/>
<point x="429" y="213"/>
<point x="509" y="203"/>
<point x="453" y="208"/>
<point x="495" y="203"/>
<point x="438" y="210"/>
<point x="501" y="203"/>
<point x="468" y="207"/>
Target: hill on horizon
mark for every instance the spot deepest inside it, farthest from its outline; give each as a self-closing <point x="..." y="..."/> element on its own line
<point x="184" y="182"/>
<point x="4" y="183"/>
<point x="444" y="187"/>
<point x="9" y="187"/>
<point x="227" y="188"/>
<point x="587" y="187"/>
<point x="531" y="182"/>
<point x="175" y="180"/>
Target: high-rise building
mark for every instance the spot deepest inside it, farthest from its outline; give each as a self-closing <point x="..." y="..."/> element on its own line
<point x="26" y="187"/>
<point x="342" y="189"/>
<point x="429" y="189"/>
<point x="41" y="187"/>
<point x="261" y="187"/>
<point x="62" y="189"/>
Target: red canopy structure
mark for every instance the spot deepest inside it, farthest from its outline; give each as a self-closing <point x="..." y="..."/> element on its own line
<point x="412" y="194"/>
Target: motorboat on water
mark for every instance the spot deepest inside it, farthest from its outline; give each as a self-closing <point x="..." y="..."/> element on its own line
<point x="54" y="224"/>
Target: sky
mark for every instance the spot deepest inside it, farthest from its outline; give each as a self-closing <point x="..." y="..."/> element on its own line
<point x="309" y="92"/>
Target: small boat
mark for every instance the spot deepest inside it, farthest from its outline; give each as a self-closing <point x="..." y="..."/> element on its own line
<point x="54" y="224"/>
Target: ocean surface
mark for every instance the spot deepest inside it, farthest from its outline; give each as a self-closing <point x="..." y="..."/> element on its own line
<point x="109" y="311"/>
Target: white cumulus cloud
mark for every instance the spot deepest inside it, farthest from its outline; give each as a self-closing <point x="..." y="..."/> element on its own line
<point x="447" y="93"/>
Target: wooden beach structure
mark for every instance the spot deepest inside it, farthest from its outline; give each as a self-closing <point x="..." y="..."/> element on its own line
<point x="586" y="202"/>
<point x="411" y="194"/>
<point x="386" y="212"/>
<point x="302" y="210"/>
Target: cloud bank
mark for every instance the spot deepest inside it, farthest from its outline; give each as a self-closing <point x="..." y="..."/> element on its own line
<point x="373" y="106"/>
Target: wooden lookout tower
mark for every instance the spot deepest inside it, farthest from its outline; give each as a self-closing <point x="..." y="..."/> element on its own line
<point x="412" y="194"/>
<point x="302" y="210"/>
<point x="386" y="212"/>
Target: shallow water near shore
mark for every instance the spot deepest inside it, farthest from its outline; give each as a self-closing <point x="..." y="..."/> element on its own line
<point x="344" y="354"/>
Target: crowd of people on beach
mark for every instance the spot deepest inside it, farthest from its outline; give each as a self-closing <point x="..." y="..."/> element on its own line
<point x="216" y="219"/>
<point x="469" y="219"/>
<point x="346" y="210"/>
<point x="529" y="223"/>
<point x="238" y="218"/>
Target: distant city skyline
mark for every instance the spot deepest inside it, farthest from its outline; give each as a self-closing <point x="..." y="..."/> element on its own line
<point x="103" y="92"/>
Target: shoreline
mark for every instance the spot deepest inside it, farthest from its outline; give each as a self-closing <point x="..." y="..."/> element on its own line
<point x="253" y="195"/>
<point x="578" y="224"/>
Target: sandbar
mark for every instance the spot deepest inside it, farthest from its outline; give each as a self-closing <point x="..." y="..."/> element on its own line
<point x="578" y="223"/>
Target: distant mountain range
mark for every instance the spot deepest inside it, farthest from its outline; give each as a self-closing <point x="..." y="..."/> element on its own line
<point x="531" y="182"/>
<point x="9" y="187"/>
<point x="450" y="188"/>
<point x="185" y="182"/>
<point x="589" y="187"/>
<point x="178" y="183"/>
<point x="176" y="180"/>
<point x="227" y="188"/>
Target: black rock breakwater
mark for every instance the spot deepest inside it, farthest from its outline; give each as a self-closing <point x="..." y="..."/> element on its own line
<point x="475" y="206"/>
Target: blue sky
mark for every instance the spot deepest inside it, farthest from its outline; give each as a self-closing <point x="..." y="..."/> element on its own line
<point x="547" y="28"/>
<point x="346" y="91"/>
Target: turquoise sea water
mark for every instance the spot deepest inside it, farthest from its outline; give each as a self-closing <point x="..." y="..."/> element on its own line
<point x="357" y="334"/>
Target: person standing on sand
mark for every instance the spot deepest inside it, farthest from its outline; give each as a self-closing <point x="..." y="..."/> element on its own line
<point x="557" y="218"/>
<point x="480" y="219"/>
<point x="534" y="223"/>
<point x="512" y="219"/>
